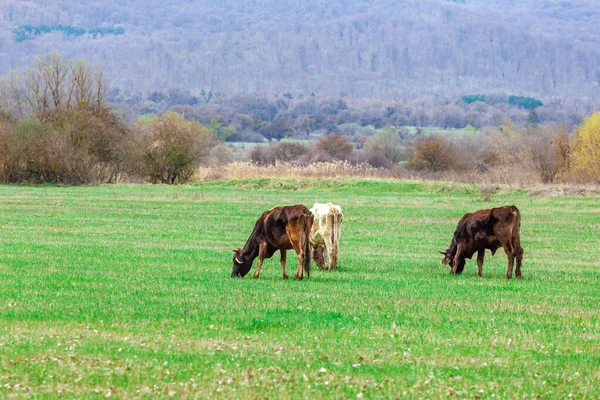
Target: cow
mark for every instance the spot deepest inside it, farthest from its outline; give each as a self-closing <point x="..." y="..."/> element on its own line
<point x="486" y="229"/>
<point x="325" y="234"/>
<point x="280" y="228"/>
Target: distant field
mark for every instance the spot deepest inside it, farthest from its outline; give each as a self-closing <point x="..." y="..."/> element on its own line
<point x="125" y="291"/>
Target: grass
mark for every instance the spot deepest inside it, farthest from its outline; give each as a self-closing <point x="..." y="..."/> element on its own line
<point x="125" y="291"/>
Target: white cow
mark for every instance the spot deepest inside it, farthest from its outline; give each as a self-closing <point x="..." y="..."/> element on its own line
<point x="325" y="234"/>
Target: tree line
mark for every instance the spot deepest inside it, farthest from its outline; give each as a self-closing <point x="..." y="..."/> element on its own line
<point x="56" y="125"/>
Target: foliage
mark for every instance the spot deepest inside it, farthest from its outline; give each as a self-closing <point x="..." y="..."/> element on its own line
<point x="146" y="119"/>
<point x="169" y="148"/>
<point x="545" y="157"/>
<point x="279" y="128"/>
<point x="472" y="98"/>
<point x="74" y="145"/>
<point x="220" y="130"/>
<point x="282" y="151"/>
<point x="35" y="152"/>
<point x="29" y="32"/>
<point x="585" y="148"/>
<point x="433" y="153"/>
<point x="336" y="146"/>
<point x="528" y="103"/>
<point x="385" y="143"/>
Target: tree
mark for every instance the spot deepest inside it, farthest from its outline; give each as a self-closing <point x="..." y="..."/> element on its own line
<point x="385" y="143"/>
<point x="220" y="130"/>
<point x="585" y="149"/>
<point x="528" y="103"/>
<point x="434" y="153"/>
<point x="336" y="146"/>
<point x="472" y="98"/>
<point x="279" y="128"/>
<point x="169" y="149"/>
<point x="54" y="82"/>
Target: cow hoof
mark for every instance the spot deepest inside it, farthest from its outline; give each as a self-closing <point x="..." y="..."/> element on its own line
<point x="297" y="277"/>
<point x="285" y="277"/>
<point x="508" y="276"/>
<point x="520" y="277"/>
<point x="255" y="276"/>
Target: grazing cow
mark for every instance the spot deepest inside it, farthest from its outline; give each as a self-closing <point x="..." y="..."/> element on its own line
<point x="486" y="229"/>
<point x="325" y="234"/>
<point x="281" y="228"/>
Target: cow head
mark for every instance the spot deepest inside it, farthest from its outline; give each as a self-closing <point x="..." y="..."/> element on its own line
<point x="241" y="265"/>
<point x="447" y="260"/>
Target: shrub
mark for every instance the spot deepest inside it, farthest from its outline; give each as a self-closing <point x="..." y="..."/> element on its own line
<point x="170" y="148"/>
<point x="387" y="144"/>
<point x="259" y="155"/>
<point x="282" y="151"/>
<point x="221" y="155"/>
<point x="287" y="151"/>
<point x="432" y="153"/>
<point x="544" y="158"/>
<point x="585" y="148"/>
<point x="74" y="145"/>
<point x="373" y="159"/>
<point x="95" y="132"/>
<point x="336" y="146"/>
<point x="562" y="148"/>
<point x="36" y="152"/>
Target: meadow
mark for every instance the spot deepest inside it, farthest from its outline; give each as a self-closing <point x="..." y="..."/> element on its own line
<point x="124" y="290"/>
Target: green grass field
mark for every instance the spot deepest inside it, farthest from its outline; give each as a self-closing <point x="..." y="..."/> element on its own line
<point x="125" y="291"/>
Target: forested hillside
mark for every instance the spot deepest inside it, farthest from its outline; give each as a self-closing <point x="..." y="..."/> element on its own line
<point x="396" y="50"/>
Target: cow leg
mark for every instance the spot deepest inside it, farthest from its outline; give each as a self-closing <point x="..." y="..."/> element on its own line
<point x="510" y="254"/>
<point x="295" y="236"/>
<point x="283" y="262"/>
<point x="480" y="257"/>
<point x="457" y="259"/>
<point x="262" y="253"/>
<point x="519" y="257"/>
<point x="331" y="253"/>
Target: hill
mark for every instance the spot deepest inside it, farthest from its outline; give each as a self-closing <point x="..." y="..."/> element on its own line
<point x="394" y="50"/>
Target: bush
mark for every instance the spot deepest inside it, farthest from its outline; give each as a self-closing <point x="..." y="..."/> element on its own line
<point x="169" y="149"/>
<point x="96" y="132"/>
<point x="260" y="156"/>
<point x="373" y="159"/>
<point x="221" y="155"/>
<point x="282" y="151"/>
<point x="336" y="146"/>
<point x="387" y="144"/>
<point x="35" y="152"/>
<point x="585" y="148"/>
<point x="74" y="145"/>
<point x="432" y="153"/>
<point x="544" y="158"/>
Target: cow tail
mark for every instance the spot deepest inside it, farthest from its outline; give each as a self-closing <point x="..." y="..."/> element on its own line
<point x="308" y="221"/>
<point x="517" y="214"/>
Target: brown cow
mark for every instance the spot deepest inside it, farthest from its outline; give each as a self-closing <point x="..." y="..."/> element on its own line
<point x="281" y="228"/>
<point x="486" y="229"/>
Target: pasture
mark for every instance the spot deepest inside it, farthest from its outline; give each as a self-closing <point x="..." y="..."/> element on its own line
<point x="125" y="291"/>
